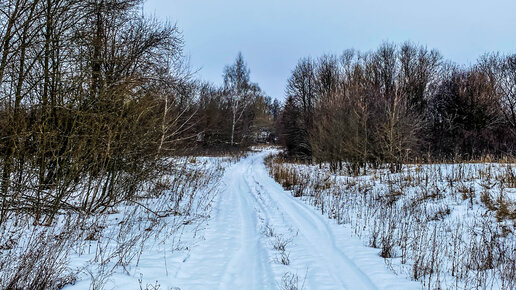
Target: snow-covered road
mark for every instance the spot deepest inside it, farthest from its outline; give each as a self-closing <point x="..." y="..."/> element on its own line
<point x="260" y="237"/>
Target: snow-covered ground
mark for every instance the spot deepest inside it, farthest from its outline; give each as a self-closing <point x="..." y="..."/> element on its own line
<point x="260" y="237"/>
<point x="257" y="237"/>
<point x="230" y="225"/>
<point x="135" y="244"/>
<point x="144" y="247"/>
<point x="448" y="226"/>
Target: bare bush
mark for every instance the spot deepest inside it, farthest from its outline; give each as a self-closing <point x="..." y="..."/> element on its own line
<point x="34" y="256"/>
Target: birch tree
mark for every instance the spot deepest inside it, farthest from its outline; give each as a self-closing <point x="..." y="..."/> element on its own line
<point x="239" y="91"/>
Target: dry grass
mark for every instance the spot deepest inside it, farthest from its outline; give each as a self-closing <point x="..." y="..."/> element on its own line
<point x="33" y="256"/>
<point x="445" y="225"/>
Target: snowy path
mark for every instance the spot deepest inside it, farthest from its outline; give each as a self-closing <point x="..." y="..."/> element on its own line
<point x="237" y="254"/>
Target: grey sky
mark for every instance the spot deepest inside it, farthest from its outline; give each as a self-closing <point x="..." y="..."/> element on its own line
<point x="273" y="35"/>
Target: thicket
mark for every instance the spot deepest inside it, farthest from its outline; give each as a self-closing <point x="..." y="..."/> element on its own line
<point x="96" y="102"/>
<point x="88" y="103"/>
<point x="93" y="96"/>
<point x="397" y="104"/>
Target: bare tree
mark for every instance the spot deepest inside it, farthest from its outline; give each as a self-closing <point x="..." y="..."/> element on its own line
<point x="301" y="94"/>
<point x="363" y="108"/>
<point x="239" y="91"/>
<point x="502" y="73"/>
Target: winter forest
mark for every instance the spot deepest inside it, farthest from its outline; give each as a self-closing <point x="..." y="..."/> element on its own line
<point x="120" y="168"/>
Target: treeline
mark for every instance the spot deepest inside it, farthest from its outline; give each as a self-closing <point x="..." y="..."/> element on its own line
<point x="238" y="113"/>
<point x="397" y="104"/>
<point x="94" y="95"/>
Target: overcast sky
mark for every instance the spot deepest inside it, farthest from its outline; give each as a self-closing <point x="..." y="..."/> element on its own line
<point x="273" y="34"/>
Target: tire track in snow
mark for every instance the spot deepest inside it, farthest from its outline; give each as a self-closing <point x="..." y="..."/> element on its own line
<point x="248" y="267"/>
<point x="335" y="252"/>
<point x="235" y="254"/>
<point x="314" y="232"/>
<point x="232" y="255"/>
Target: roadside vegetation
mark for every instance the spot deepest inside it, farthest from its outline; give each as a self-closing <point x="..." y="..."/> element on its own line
<point x="449" y="226"/>
<point x="414" y="153"/>
<point x="98" y="106"/>
<point x="105" y="133"/>
<point x="399" y="104"/>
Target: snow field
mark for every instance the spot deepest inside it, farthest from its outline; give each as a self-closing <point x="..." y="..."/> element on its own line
<point x="134" y="245"/>
<point x="262" y="238"/>
<point x="449" y="226"/>
<point x="228" y="224"/>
